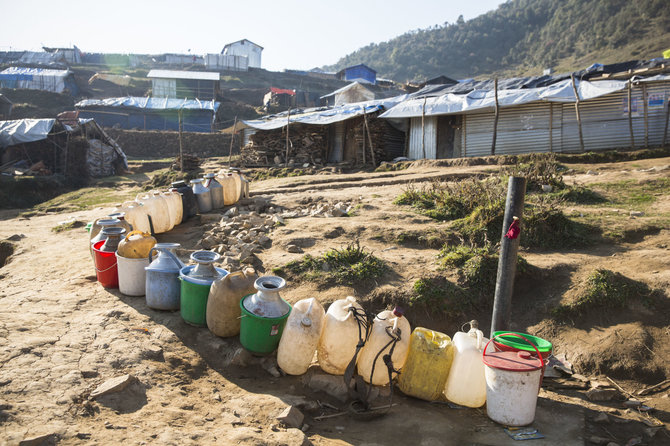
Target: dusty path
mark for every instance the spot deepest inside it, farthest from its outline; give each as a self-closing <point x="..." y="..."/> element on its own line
<point x="61" y="335"/>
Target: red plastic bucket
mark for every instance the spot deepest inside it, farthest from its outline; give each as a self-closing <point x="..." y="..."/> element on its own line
<point x="105" y="266"/>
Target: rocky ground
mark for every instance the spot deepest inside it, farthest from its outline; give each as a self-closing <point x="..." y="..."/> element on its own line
<point x="83" y="365"/>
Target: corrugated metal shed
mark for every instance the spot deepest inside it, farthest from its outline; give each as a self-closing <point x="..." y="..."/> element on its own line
<point x="419" y="138"/>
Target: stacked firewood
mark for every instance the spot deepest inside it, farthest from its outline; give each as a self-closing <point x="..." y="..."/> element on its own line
<point x="191" y="162"/>
<point x="307" y="144"/>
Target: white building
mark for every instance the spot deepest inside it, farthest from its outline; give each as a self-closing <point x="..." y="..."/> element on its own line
<point x="246" y="48"/>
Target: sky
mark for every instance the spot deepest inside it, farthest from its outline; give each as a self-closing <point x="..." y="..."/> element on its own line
<point x="295" y="34"/>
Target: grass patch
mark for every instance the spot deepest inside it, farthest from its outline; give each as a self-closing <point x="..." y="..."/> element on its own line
<point x="68" y="226"/>
<point x="633" y="193"/>
<point x="346" y="266"/>
<point x="610" y="156"/>
<point x="439" y="294"/>
<point x="605" y="290"/>
<point x="538" y="169"/>
<point x="86" y="198"/>
<point x="579" y="195"/>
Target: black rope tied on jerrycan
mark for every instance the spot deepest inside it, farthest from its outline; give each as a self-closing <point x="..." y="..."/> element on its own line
<point x="360" y="391"/>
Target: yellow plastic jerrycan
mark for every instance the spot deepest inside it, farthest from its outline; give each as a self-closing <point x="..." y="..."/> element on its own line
<point x="339" y="337"/>
<point x="300" y="337"/>
<point x="136" y="245"/>
<point x="427" y="366"/>
<point x="378" y="345"/>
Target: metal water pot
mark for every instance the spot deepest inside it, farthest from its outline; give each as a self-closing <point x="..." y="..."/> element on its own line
<point x="216" y="190"/>
<point x="267" y="302"/>
<point x="163" y="289"/>
<point x="102" y="223"/>
<point x="204" y="268"/>
<point x="112" y="238"/>
<point x="203" y="195"/>
<point x="123" y="222"/>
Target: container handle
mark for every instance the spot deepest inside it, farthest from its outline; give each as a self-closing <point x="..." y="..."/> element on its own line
<point x="174" y="258"/>
<point x="137" y="231"/>
<point x="539" y="356"/>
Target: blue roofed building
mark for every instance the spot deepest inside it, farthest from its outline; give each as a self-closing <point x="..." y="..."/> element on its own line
<point x="358" y="73"/>
<point x="151" y="113"/>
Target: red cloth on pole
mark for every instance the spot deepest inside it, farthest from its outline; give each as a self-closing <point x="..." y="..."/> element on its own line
<point x="514" y="230"/>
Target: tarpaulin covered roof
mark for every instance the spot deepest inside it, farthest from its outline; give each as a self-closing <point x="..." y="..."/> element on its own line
<point x="323" y="115"/>
<point x="150" y="103"/>
<point x="21" y="73"/>
<point x="357" y="85"/>
<point x="176" y="74"/>
<point x="452" y="103"/>
<point x="24" y="130"/>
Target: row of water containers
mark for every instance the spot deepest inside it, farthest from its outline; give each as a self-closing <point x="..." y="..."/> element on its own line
<point x="158" y="211"/>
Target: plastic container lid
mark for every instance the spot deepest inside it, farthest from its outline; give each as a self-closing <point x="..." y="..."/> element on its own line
<point x="513" y="361"/>
<point x="517" y="343"/>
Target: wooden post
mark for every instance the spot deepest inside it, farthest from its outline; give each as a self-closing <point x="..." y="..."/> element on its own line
<point x="495" y="119"/>
<point x="367" y="128"/>
<point x="667" y="117"/>
<point x="646" y="121"/>
<point x="181" y="148"/>
<point x="579" y="116"/>
<point x="288" y="123"/>
<point x="232" y="137"/>
<point x="630" y="114"/>
<point x="509" y="247"/>
<point x="423" y="129"/>
<point x="551" y="127"/>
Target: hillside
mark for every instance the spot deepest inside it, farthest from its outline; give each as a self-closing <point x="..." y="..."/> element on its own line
<point x="523" y="37"/>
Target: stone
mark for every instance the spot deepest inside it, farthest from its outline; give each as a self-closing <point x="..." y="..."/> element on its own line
<point x="264" y="240"/>
<point x="601" y="418"/>
<point x="210" y="218"/>
<point x="241" y="358"/>
<point x="329" y="384"/>
<point x="547" y="188"/>
<point x="113" y="385"/>
<point x="291" y="417"/>
<point x="15" y="237"/>
<point x="636" y="213"/>
<point x="294" y="249"/>
<point x="601" y="394"/>
<point x="278" y="219"/>
<point x="591" y="172"/>
<point x="154" y="352"/>
<point x="338" y="212"/>
<point x="40" y="440"/>
<point x="594" y="439"/>
<point x="632" y="403"/>
<point x="232" y="212"/>
<point x="270" y="366"/>
<point x="208" y="242"/>
<point x="277" y="159"/>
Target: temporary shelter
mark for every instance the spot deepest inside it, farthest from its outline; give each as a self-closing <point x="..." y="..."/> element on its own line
<point x="184" y="84"/>
<point x="354" y="92"/>
<point x="56" y="81"/>
<point x="151" y="113"/>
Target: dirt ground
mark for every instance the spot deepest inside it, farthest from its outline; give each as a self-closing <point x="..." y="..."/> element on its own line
<point x="62" y="334"/>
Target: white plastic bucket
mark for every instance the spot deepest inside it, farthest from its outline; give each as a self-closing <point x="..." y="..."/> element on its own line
<point x="132" y="275"/>
<point x="512" y="383"/>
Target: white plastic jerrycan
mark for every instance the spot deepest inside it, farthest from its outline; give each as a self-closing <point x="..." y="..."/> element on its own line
<point x="386" y="326"/>
<point x="301" y="336"/>
<point x="340" y="336"/>
<point x="466" y="384"/>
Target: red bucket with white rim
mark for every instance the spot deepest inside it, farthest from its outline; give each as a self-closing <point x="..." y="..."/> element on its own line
<point x="513" y="380"/>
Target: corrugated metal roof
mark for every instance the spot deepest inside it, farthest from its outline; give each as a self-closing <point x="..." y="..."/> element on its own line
<point x="176" y="74"/>
<point x="323" y="115"/>
<point x="35" y="72"/>
<point x="150" y="103"/>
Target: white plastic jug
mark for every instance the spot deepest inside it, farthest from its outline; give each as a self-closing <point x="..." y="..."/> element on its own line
<point x="173" y="200"/>
<point x="379" y="344"/>
<point x="230" y="192"/>
<point x="155" y="210"/>
<point x="136" y="215"/>
<point x="339" y="336"/>
<point x="164" y="203"/>
<point x="466" y="384"/>
<point x="301" y="336"/>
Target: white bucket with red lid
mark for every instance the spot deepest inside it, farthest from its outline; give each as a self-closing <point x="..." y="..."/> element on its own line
<point x="513" y="381"/>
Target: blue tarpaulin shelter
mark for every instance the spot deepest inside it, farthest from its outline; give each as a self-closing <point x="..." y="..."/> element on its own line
<point x="56" y="81"/>
<point x="151" y="113"/>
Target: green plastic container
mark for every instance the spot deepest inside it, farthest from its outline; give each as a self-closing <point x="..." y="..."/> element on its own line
<point x="261" y="335"/>
<point x="194" y="302"/>
<point x="515" y="344"/>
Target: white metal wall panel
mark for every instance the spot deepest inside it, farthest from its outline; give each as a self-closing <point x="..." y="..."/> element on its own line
<point x="658" y="94"/>
<point x="338" y="143"/>
<point x="416" y="138"/>
<point x="164" y="88"/>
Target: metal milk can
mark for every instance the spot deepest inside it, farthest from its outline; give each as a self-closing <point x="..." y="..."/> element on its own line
<point x="216" y="190"/>
<point x="203" y="195"/>
<point x="163" y="289"/>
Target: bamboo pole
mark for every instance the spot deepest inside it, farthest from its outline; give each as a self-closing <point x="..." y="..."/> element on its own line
<point x="630" y="114"/>
<point x="646" y="120"/>
<point x="423" y="129"/>
<point x="551" y="127"/>
<point x="579" y="116"/>
<point x="367" y="128"/>
<point x="495" y="119"/>
<point x="232" y="137"/>
<point x="288" y="122"/>
<point x="181" y="149"/>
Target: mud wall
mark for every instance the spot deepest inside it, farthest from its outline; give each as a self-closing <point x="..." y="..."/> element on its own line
<point x="158" y="144"/>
